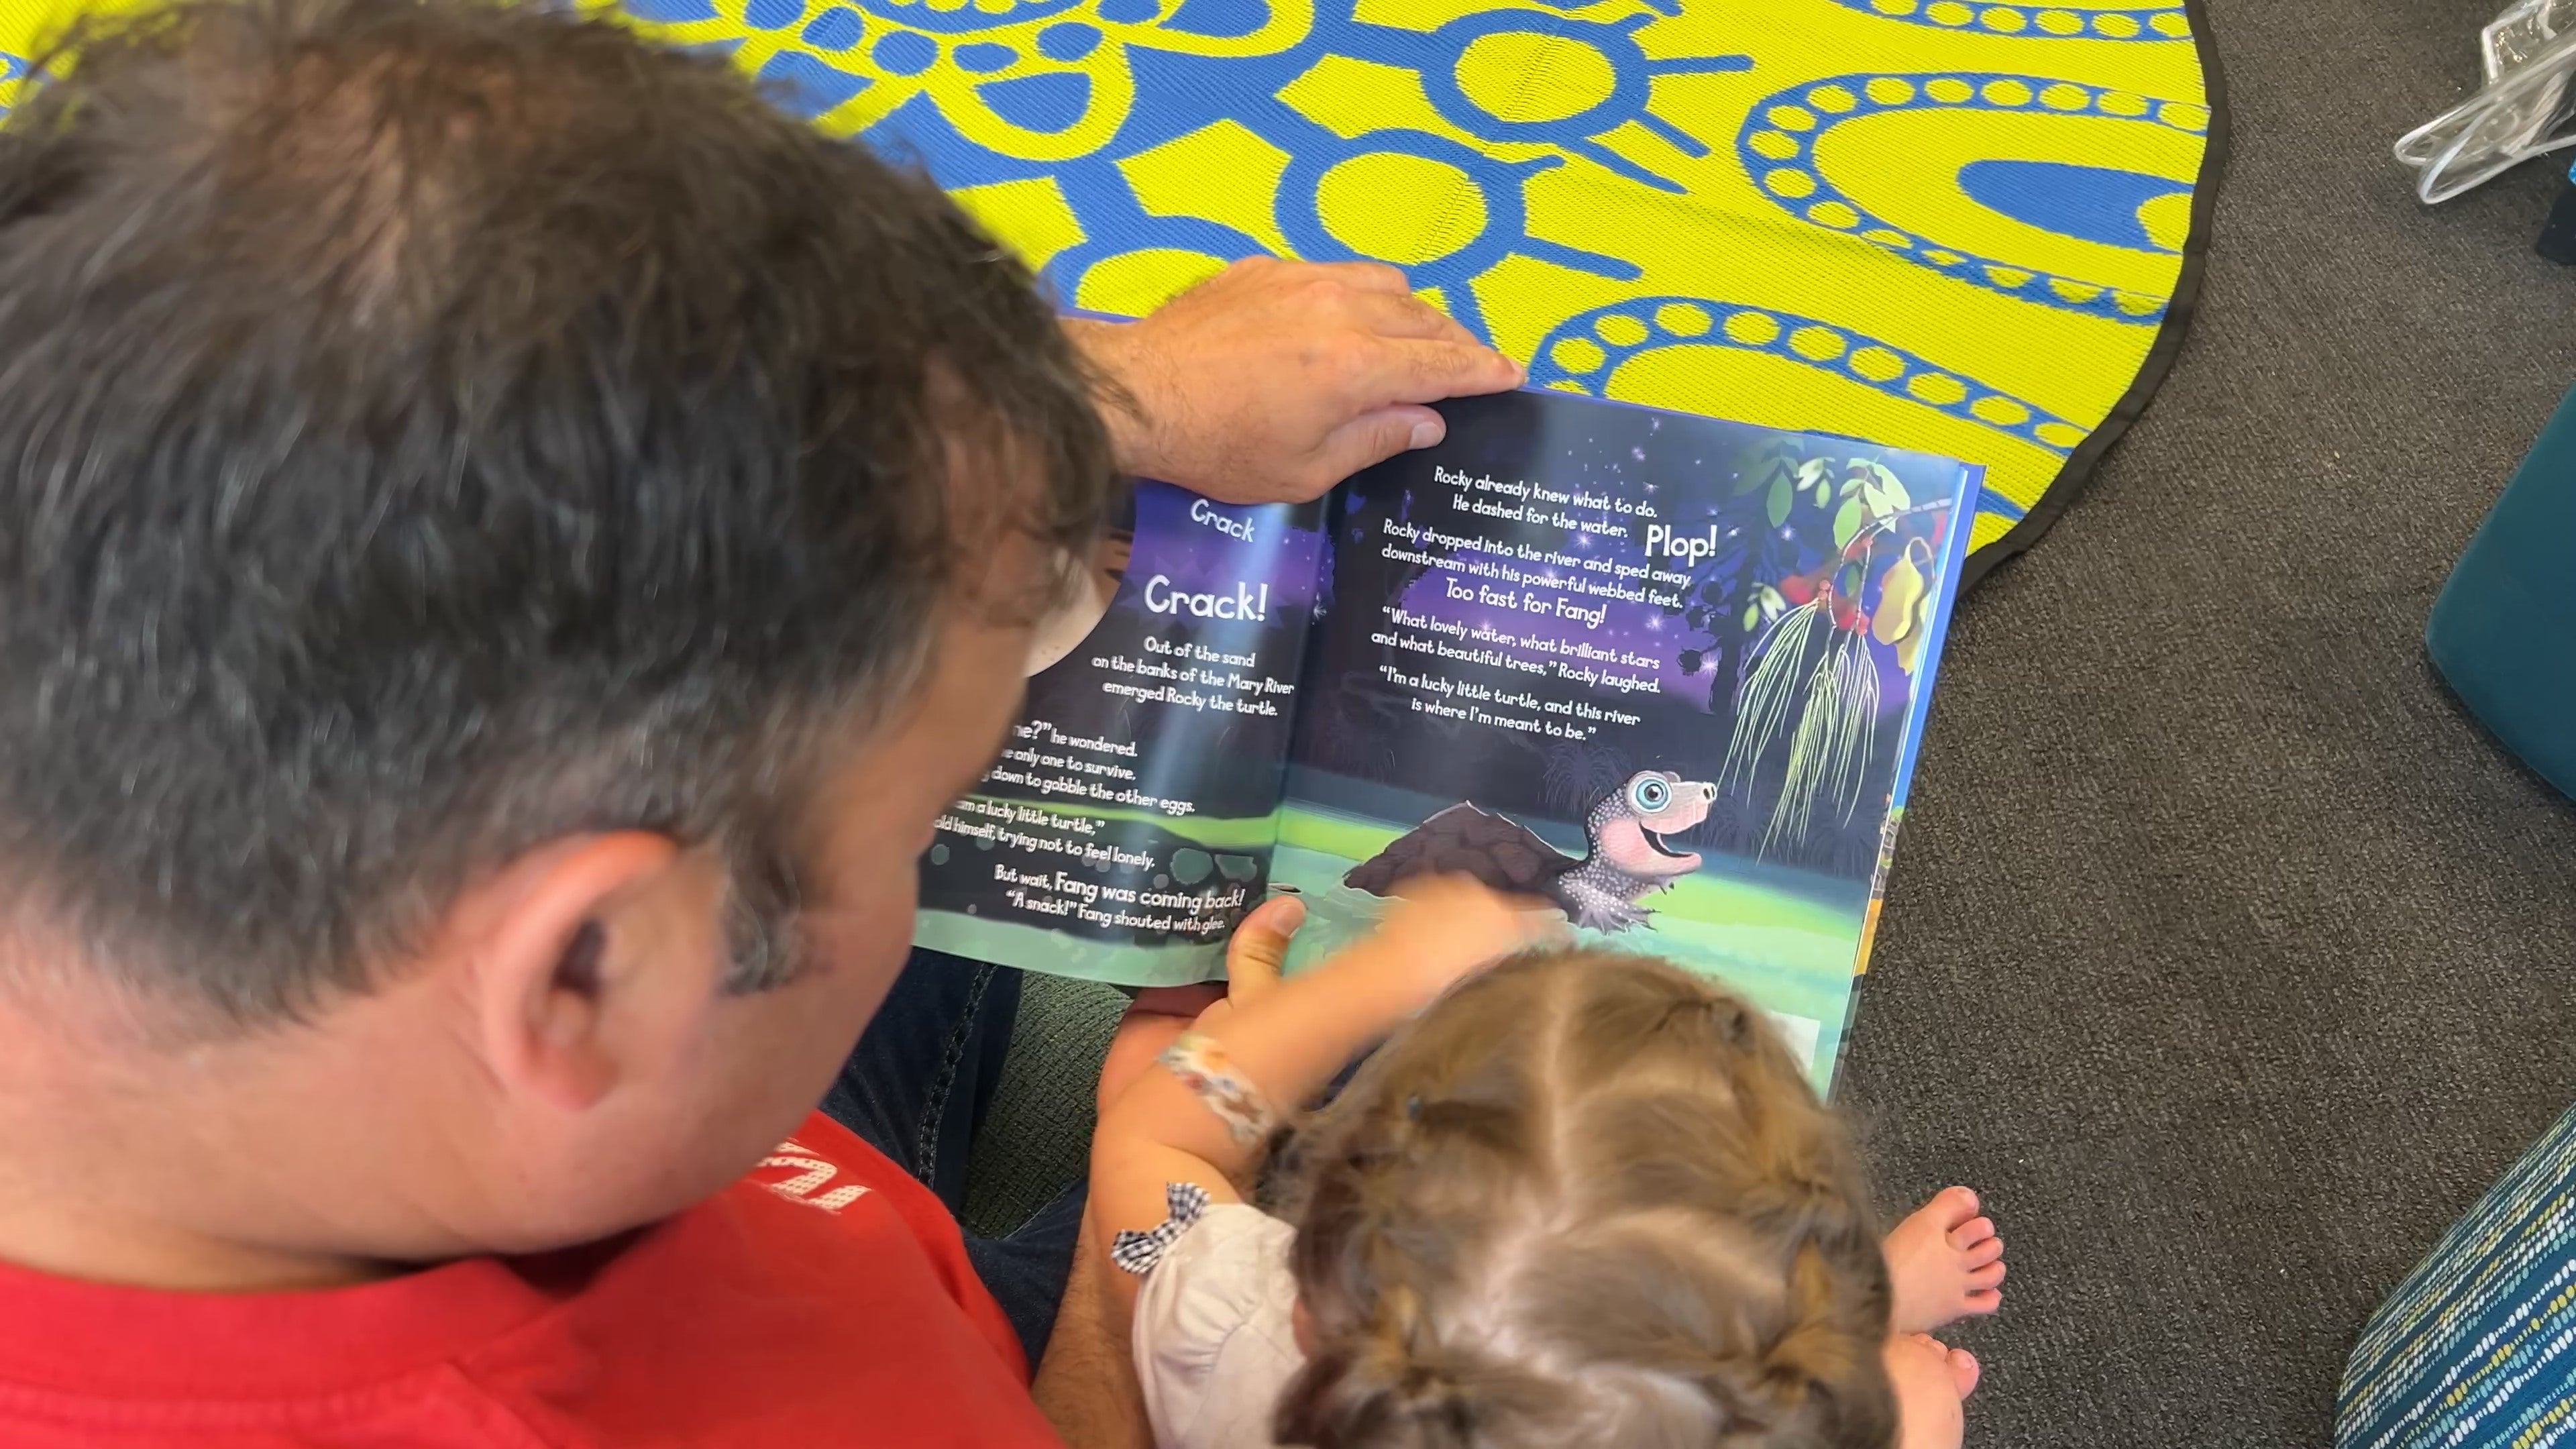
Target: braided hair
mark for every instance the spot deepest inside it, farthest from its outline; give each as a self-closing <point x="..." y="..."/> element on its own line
<point x="1588" y="1199"/>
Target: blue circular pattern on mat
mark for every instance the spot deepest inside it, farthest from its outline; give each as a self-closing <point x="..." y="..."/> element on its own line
<point x="838" y="28"/>
<point x="1044" y="103"/>
<point x="1632" y="85"/>
<point x="1498" y="184"/>
<point x="902" y="52"/>
<point x="1171" y="136"/>
<point x="1781" y="161"/>
<point x="1070" y="41"/>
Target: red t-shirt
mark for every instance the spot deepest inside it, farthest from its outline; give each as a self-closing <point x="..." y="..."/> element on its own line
<point x="826" y="1300"/>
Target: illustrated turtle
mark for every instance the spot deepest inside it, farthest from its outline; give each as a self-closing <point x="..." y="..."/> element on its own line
<point x="1627" y="858"/>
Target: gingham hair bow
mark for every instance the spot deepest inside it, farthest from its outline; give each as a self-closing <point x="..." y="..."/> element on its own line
<point x="1138" y="1252"/>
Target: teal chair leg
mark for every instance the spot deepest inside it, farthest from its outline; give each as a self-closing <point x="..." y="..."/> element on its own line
<point x="2499" y="631"/>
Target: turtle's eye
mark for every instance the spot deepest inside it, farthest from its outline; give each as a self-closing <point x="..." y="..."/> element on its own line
<point x="1650" y="794"/>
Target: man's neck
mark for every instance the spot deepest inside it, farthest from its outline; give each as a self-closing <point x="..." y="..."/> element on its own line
<point x="72" y="1239"/>
<point x="107" y="1180"/>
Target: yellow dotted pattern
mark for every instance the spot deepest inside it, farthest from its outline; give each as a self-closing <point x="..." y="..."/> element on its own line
<point x="2052" y="21"/>
<point x="1682" y="319"/>
<point x="1619" y="337"/>
<point x="1792" y="149"/>
<point x="1621" y="331"/>
<point x="1579" y="354"/>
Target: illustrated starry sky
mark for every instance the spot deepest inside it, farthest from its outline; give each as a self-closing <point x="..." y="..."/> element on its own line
<point x="1684" y="468"/>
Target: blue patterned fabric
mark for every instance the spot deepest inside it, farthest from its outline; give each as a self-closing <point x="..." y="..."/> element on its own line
<point x="2474" y="1347"/>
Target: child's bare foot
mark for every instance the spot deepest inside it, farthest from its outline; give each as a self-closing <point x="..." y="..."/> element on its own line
<point x="1930" y="1380"/>
<point x="1945" y="1263"/>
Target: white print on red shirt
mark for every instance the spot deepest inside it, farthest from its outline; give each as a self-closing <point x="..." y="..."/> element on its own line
<point x="806" y="1186"/>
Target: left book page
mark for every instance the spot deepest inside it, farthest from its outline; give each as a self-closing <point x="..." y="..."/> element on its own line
<point x="1129" y="821"/>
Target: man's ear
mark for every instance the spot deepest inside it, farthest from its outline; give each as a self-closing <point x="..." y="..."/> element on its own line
<point x="568" y="929"/>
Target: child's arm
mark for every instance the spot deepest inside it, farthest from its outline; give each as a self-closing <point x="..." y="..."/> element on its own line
<point x="1286" y="1039"/>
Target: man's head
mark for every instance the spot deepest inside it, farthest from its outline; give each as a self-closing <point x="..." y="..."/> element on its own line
<point x="506" y="543"/>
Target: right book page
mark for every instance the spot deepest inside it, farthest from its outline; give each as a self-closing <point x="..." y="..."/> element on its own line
<point x="1663" y="671"/>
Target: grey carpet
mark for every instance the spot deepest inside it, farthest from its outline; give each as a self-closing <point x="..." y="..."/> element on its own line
<point x="2223" y="953"/>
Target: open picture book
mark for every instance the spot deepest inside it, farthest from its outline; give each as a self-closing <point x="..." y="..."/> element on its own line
<point x="1663" y="672"/>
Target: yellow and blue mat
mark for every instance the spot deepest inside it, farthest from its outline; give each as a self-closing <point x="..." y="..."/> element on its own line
<point x="1970" y="229"/>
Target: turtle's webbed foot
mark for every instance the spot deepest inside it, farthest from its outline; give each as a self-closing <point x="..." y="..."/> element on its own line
<point x="1608" y="913"/>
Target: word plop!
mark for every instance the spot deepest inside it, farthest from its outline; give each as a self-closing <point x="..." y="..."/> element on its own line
<point x="1660" y="538"/>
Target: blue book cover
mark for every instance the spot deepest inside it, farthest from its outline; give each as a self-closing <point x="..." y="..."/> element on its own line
<point x="1665" y="672"/>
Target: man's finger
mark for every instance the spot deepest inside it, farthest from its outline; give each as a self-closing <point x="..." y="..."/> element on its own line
<point x="1406" y="370"/>
<point x="1366" y="276"/>
<point x="1406" y="315"/>
<point x="1260" y="947"/>
<point x="1373" y="438"/>
<point x="1436" y="370"/>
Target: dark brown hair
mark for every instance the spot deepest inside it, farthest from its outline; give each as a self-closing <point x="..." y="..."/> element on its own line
<point x="1588" y="1199"/>
<point x="435" y="426"/>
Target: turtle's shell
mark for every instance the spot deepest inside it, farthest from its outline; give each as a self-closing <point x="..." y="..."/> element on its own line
<point x="1465" y="840"/>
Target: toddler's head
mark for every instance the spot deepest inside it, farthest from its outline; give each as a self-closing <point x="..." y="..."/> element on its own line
<point x="1587" y="1199"/>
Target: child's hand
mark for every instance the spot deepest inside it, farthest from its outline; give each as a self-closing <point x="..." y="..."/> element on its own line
<point x="1446" y="927"/>
<point x="1255" y="956"/>
<point x="1159" y="1014"/>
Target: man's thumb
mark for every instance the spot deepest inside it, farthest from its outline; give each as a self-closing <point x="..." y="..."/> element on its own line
<point x="1372" y="438"/>
<point x="1259" y="950"/>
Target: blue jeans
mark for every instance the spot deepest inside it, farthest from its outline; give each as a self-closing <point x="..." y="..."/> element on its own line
<point x="915" y="1089"/>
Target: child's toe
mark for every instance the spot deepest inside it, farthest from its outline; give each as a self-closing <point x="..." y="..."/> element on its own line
<point x="1989" y="1251"/>
<point x="1965" y="1368"/>
<point x="1986" y="1278"/>
<point x="1972" y="1232"/>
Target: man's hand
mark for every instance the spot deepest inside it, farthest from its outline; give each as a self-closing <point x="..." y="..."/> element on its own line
<point x="1272" y="381"/>
<point x="1086" y="1383"/>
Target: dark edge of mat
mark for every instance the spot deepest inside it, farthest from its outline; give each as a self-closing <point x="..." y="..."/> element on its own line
<point x="2072" y="479"/>
<point x="2077" y="474"/>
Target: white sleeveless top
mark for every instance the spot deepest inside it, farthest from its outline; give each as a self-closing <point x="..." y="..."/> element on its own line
<point x="1215" y="1337"/>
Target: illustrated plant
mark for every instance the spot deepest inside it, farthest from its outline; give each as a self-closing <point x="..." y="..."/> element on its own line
<point x="1810" y="678"/>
